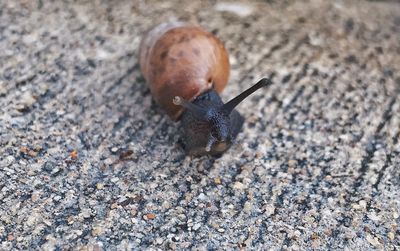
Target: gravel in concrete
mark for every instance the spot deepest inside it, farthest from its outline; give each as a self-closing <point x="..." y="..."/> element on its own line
<point x="88" y="160"/>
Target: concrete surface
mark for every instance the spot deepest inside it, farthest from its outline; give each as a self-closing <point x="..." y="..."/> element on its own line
<point x="88" y="161"/>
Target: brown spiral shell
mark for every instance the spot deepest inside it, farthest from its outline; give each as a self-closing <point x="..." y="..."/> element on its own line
<point x="179" y="59"/>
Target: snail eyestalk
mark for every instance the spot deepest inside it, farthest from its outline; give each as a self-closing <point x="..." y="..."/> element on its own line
<point x="197" y="110"/>
<point x="229" y="106"/>
<point x="211" y="141"/>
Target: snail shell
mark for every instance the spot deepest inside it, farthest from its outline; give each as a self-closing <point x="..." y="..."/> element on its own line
<point x="179" y="59"/>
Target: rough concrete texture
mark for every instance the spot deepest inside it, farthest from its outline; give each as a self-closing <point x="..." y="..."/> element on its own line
<point x="89" y="161"/>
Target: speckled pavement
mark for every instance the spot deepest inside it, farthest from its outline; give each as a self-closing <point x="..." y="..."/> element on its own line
<point x="88" y="161"/>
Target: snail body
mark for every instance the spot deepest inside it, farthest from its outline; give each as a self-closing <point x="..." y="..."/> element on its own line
<point x="186" y="68"/>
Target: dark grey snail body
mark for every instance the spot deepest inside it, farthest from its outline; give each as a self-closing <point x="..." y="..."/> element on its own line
<point x="217" y="131"/>
<point x="209" y="125"/>
<point x="185" y="68"/>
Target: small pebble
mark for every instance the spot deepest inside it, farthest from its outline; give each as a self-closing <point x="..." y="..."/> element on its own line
<point x="221" y="230"/>
<point x="238" y="185"/>
<point x="202" y="196"/>
<point x="86" y="213"/>
<point x="196" y="226"/>
<point x="149" y="216"/>
<point x="217" y="181"/>
<point x="35" y="196"/>
<point x="9" y="160"/>
<point x="97" y="231"/>
<point x="10" y="237"/>
<point x="372" y="240"/>
<point x="100" y="186"/>
<point x="247" y="207"/>
<point x="114" y="179"/>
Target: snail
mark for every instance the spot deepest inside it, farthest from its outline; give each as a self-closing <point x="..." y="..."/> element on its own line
<point x="186" y="68"/>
